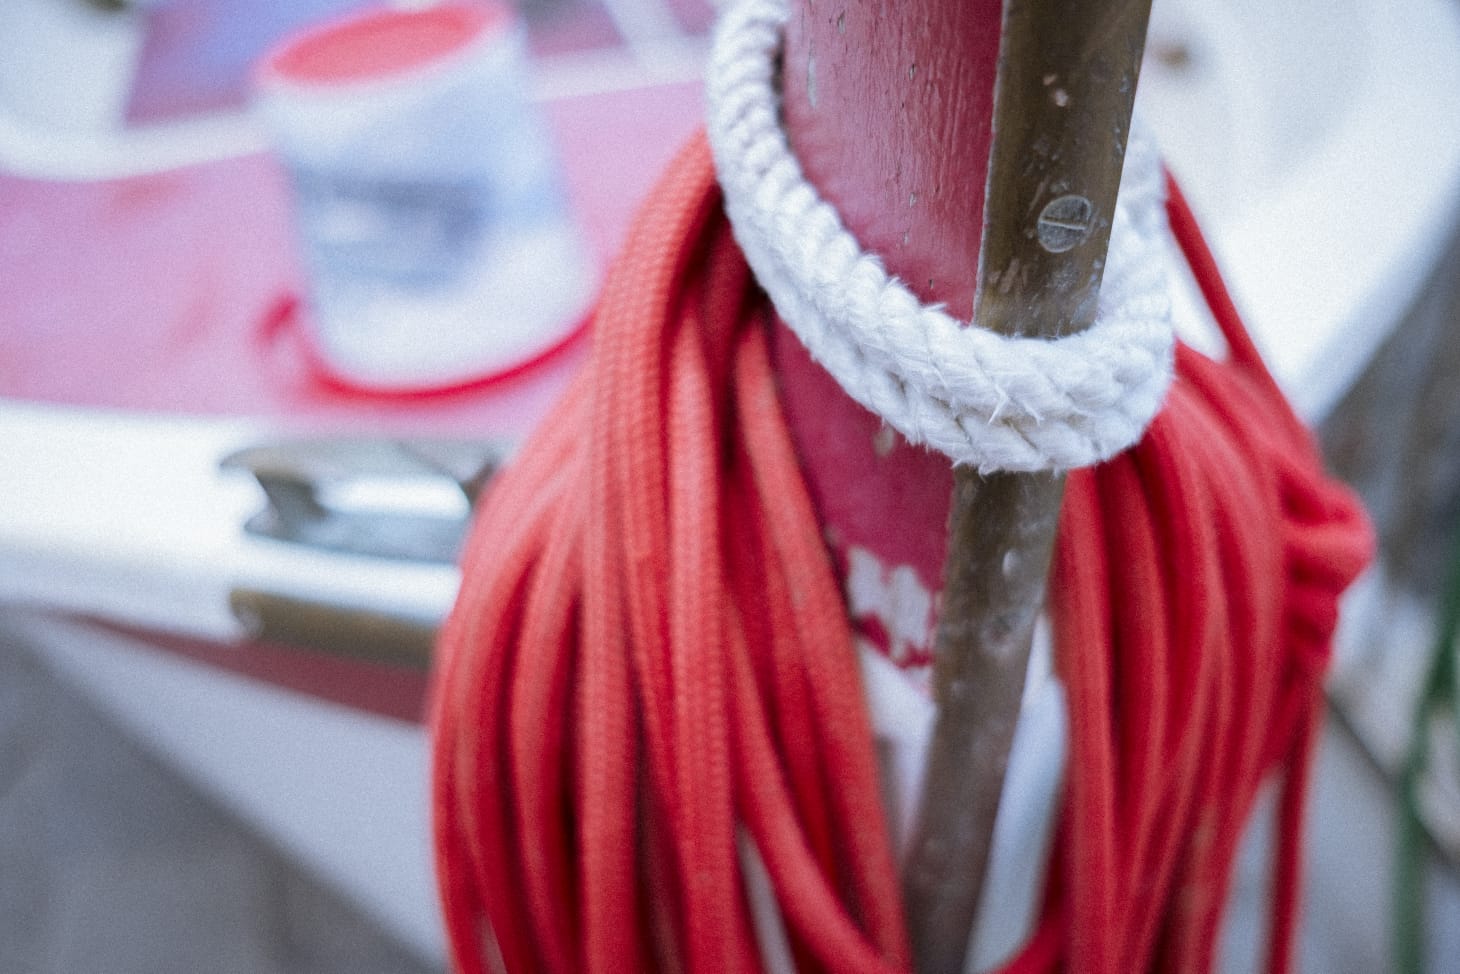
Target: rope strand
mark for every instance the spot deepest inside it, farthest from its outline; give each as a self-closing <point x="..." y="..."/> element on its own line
<point x="650" y="660"/>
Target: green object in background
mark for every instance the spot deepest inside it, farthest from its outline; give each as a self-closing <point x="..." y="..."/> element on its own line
<point x="1438" y="699"/>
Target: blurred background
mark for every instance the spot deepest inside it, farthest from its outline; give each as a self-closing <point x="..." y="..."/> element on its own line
<point x="225" y="543"/>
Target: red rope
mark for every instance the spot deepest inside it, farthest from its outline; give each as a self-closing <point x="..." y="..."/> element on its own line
<point x="650" y="658"/>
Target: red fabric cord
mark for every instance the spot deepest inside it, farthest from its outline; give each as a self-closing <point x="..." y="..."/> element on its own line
<point x="650" y="658"/>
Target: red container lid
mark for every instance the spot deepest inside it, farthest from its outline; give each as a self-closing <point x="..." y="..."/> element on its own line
<point x="379" y="44"/>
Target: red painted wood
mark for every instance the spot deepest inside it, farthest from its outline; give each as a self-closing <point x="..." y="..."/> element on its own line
<point x="889" y="107"/>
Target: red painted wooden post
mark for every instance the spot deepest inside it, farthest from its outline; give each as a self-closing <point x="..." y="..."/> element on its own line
<point x="888" y="107"/>
<point x="892" y="110"/>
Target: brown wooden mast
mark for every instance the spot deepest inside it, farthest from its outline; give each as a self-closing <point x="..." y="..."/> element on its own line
<point x="976" y="147"/>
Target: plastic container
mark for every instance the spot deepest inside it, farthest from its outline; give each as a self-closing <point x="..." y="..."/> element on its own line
<point x="429" y="204"/>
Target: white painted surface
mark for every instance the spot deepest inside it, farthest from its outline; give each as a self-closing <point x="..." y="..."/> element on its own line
<point x="342" y="792"/>
<point x="68" y="65"/>
<point x="127" y="517"/>
<point x="1319" y="144"/>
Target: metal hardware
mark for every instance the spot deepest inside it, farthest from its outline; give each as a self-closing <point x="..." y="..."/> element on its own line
<point x="1064" y="223"/>
<point x="339" y="629"/>
<point x="386" y="498"/>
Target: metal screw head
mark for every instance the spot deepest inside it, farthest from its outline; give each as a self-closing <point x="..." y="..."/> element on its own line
<point x="1064" y="223"/>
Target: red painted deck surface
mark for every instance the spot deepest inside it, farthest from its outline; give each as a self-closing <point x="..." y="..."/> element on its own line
<point x="157" y="292"/>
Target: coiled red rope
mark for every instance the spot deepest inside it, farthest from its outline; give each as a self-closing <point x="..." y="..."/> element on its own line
<point x="649" y="668"/>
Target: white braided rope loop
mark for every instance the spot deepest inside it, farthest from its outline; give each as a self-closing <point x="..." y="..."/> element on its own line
<point x="984" y="400"/>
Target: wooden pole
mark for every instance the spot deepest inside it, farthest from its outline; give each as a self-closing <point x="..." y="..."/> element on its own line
<point x="1067" y="79"/>
<point x="1049" y="116"/>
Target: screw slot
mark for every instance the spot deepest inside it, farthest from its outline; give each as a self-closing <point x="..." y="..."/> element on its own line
<point x="1064" y="223"/>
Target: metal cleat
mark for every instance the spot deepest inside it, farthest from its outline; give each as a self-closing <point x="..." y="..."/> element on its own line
<point x="407" y="499"/>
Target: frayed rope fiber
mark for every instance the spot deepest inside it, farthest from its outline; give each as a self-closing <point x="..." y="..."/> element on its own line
<point x="982" y="399"/>
<point x="648" y="679"/>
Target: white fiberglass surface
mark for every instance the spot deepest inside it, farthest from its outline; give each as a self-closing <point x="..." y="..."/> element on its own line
<point x="1320" y="147"/>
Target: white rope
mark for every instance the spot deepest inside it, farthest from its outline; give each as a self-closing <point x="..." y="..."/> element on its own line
<point x="984" y="400"/>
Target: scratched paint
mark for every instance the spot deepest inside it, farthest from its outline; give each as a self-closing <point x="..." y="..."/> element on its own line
<point x="897" y="601"/>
